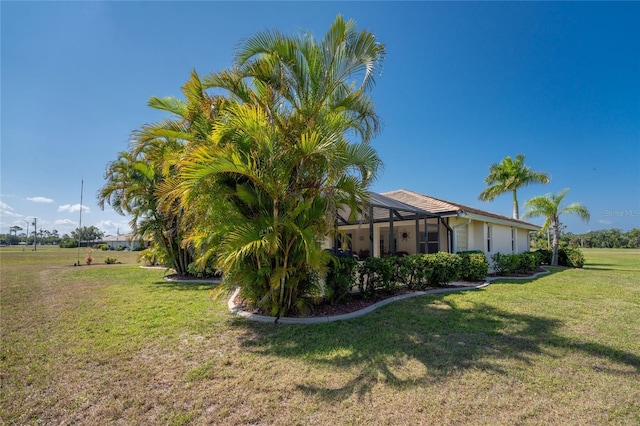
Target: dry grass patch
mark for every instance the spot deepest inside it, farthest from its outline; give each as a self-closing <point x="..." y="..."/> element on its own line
<point x="117" y="344"/>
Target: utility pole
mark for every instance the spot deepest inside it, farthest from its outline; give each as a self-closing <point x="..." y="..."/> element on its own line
<point x="35" y="233"/>
<point x="80" y="223"/>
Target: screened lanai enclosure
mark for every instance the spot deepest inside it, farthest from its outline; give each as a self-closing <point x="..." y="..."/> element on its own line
<point x="386" y="226"/>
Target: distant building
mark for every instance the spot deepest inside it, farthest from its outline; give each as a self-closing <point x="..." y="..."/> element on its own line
<point x="124" y="241"/>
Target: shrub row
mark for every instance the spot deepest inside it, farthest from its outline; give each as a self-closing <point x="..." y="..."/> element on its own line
<point x="567" y="256"/>
<point x="387" y="275"/>
<point x="508" y="264"/>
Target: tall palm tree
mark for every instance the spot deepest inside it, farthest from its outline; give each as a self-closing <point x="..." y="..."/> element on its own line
<point x="509" y="176"/>
<point x="280" y="158"/>
<point x="139" y="180"/>
<point x="549" y="206"/>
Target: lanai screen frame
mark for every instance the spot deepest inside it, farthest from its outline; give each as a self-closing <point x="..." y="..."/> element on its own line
<point x="397" y="210"/>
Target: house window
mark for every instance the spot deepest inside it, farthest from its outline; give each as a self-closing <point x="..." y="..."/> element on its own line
<point x="381" y="246"/>
<point x="489" y="239"/>
<point x="513" y="240"/>
<point x="433" y="244"/>
<point x="423" y="242"/>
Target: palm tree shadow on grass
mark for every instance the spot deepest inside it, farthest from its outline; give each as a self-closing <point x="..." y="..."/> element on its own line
<point x="442" y="338"/>
<point x="186" y="285"/>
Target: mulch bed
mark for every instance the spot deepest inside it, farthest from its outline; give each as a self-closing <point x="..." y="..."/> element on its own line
<point x="191" y="278"/>
<point x="354" y="303"/>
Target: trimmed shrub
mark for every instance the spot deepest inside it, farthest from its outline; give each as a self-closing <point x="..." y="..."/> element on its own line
<point x="340" y="279"/>
<point x="402" y="270"/>
<point x="110" y="260"/>
<point x="508" y="264"/>
<point x="417" y="276"/>
<point x="442" y="268"/>
<point x="567" y="256"/>
<point x="505" y="264"/>
<point x="545" y="256"/>
<point x="474" y="266"/>
<point x="573" y="257"/>
<point x="464" y="252"/>
<point x="529" y="261"/>
<point x="376" y="274"/>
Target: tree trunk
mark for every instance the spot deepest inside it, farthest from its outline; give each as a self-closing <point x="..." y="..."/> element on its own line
<point x="556" y="231"/>
<point x="516" y="211"/>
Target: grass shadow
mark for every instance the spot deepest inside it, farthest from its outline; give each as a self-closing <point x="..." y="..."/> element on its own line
<point x="431" y="331"/>
<point x="186" y="285"/>
<point x="592" y="268"/>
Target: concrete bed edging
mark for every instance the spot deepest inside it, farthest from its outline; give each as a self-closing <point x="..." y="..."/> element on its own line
<point x="331" y="318"/>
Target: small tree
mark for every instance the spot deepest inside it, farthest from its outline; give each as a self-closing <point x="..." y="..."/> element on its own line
<point x="87" y="233"/>
<point x="548" y="206"/>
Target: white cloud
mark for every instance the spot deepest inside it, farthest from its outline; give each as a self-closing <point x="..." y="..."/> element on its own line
<point x="40" y="199"/>
<point x="64" y="222"/>
<point x="73" y="208"/>
<point x="605" y="222"/>
<point x="7" y="210"/>
<point x="111" y="227"/>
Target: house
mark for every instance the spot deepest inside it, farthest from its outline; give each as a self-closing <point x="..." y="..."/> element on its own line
<point x="406" y="222"/>
<point x="120" y="242"/>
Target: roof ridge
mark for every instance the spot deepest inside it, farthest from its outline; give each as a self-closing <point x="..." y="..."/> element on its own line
<point x="464" y="207"/>
<point x="428" y="196"/>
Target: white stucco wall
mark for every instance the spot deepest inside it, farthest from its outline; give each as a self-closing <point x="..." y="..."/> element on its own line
<point x="501" y="239"/>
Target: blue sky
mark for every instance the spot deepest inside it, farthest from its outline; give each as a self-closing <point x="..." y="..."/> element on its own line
<point x="463" y="85"/>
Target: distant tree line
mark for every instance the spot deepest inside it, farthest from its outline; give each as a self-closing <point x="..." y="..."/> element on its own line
<point x="45" y="237"/>
<point x="604" y="238"/>
<point x="17" y="235"/>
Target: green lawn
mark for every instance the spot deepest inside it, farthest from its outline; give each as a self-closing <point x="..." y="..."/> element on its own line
<point x="117" y="344"/>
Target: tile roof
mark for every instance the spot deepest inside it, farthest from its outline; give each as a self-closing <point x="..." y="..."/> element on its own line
<point x="442" y="207"/>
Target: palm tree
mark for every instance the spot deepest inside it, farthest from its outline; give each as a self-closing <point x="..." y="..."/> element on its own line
<point x="509" y="176"/>
<point x="549" y="206"/>
<point x="139" y="181"/>
<point x="14" y="229"/>
<point x="279" y="159"/>
<point x="130" y="189"/>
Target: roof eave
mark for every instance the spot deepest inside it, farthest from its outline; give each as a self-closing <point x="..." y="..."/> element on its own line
<point x="507" y="222"/>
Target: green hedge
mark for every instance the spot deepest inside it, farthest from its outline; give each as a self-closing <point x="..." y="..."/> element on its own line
<point x="508" y="264"/>
<point x="574" y="257"/>
<point x="474" y="266"/>
<point x="567" y="256"/>
<point x="442" y="268"/>
<point x="419" y="271"/>
<point x="341" y="278"/>
<point x="376" y="274"/>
